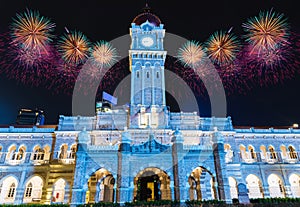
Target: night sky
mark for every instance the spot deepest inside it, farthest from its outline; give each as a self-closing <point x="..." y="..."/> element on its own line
<point x="276" y="105"/>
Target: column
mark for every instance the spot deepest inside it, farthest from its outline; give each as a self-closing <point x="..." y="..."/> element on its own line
<point x="124" y="192"/>
<point x="220" y="167"/>
<point x="79" y="186"/>
<point x="20" y="189"/>
<point x="180" y="190"/>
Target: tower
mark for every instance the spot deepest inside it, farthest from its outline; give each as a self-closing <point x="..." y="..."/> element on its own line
<point x="147" y="59"/>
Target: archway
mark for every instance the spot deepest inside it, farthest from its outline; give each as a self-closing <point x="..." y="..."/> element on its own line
<point x="254" y="186"/>
<point x="152" y="184"/>
<point x="100" y="187"/>
<point x="233" y="188"/>
<point x="295" y="185"/>
<point x="202" y="184"/>
<point x="276" y="187"/>
<point x="58" y="195"/>
<point x="33" y="190"/>
<point x="8" y="190"/>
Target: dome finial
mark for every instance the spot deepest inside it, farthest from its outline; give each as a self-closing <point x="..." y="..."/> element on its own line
<point x="147" y="8"/>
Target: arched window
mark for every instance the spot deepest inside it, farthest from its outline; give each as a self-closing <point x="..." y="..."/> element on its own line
<point x="137" y="74"/>
<point x="252" y="153"/>
<point x="11" y="191"/>
<point x="63" y="151"/>
<point x="243" y="153"/>
<point x="272" y="153"/>
<point x="284" y="153"/>
<point x="38" y="154"/>
<point x="72" y="154"/>
<point x="229" y="153"/>
<point x="28" y="190"/>
<point x="292" y="153"/>
<point x="263" y="153"/>
<point x="11" y="155"/>
<point x="157" y="74"/>
<point x="148" y="74"/>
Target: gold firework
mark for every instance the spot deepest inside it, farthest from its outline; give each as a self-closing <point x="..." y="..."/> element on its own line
<point x="222" y="47"/>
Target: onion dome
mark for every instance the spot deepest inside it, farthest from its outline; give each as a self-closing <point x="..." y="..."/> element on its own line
<point x="145" y="15"/>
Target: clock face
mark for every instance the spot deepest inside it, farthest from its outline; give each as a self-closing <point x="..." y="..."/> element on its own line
<point x="147" y="41"/>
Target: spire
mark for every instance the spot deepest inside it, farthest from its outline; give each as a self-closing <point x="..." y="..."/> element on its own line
<point x="147" y="9"/>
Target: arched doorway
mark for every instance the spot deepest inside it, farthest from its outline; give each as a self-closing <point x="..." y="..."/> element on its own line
<point x="100" y="187"/>
<point x="58" y="195"/>
<point x="33" y="190"/>
<point x="276" y="186"/>
<point x="233" y="188"/>
<point x="202" y="184"/>
<point x="295" y="185"/>
<point x="254" y="186"/>
<point x="152" y="184"/>
<point x="8" y="190"/>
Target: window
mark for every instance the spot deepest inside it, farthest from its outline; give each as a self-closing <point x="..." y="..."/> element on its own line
<point x="38" y="154"/>
<point x="157" y="74"/>
<point x="28" y="190"/>
<point x="63" y="151"/>
<point x="272" y="153"/>
<point x="148" y="74"/>
<point x="292" y="153"/>
<point x="137" y="74"/>
<point x="11" y="191"/>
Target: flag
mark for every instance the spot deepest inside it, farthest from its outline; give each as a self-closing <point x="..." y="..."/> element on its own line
<point x="113" y="100"/>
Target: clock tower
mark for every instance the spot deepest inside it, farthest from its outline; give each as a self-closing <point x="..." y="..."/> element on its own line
<point x="147" y="59"/>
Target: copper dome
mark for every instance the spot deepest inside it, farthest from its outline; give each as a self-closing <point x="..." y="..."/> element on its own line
<point x="146" y="15"/>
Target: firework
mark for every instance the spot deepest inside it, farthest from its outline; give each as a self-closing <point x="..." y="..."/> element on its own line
<point x="32" y="31"/>
<point x="266" y="32"/>
<point x="104" y="54"/>
<point x="191" y="54"/>
<point x="74" y="47"/>
<point x="222" y="47"/>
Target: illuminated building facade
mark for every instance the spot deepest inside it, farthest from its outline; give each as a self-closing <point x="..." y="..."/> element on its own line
<point x="146" y="152"/>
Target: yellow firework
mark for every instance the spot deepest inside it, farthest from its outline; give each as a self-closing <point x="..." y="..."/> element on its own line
<point x="191" y="54"/>
<point x="222" y="47"/>
<point x="267" y="31"/>
<point x="32" y="31"/>
<point x="104" y="54"/>
<point x="74" y="47"/>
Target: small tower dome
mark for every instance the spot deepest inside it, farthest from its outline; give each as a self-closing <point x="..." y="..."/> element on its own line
<point x="145" y="15"/>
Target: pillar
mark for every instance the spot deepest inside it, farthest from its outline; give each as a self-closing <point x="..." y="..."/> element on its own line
<point x="124" y="192"/>
<point x="180" y="190"/>
<point x="220" y="167"/>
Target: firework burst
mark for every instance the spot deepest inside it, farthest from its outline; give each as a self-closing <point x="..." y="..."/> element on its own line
<point x="222" y="47"/>
<point x="266" y="32"/>
<point x="191" y="54"/>
<point x="32" y="31"/>
<point x="104" y="54"/>
<point x="74" y="47"/>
